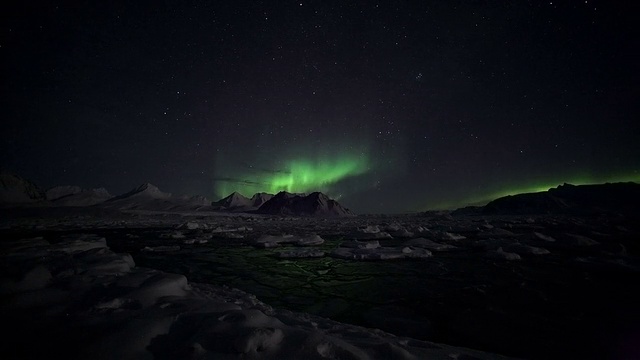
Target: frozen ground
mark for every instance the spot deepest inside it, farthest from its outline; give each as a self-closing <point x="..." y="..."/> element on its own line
<point x="530" y="287"/>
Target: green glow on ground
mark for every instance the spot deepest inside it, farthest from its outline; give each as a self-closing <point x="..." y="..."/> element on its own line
<point x="298" y="175"/>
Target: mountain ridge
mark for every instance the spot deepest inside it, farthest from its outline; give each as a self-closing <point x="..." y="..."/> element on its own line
<point x="620" y="197"/>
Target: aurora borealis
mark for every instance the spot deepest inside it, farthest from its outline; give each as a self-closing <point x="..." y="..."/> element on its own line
<point x="388" y="106"/>
<point x="298" y="176"/>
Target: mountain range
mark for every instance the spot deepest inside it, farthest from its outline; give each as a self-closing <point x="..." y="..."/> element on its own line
<point x="564" y="199"/>
<point x="237" y="202"/>
<point x="623" y="197"/>
<point x="16" y="191"/>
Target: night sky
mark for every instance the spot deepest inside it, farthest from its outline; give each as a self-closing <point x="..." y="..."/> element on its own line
<point x="387" y="106"/>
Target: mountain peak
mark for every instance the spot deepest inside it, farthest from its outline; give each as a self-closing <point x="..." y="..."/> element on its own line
<point x="314" y="204"/>
<point x="147" y="187"/>
<point x="146" y="190"/>
<point x="15" y="189"/>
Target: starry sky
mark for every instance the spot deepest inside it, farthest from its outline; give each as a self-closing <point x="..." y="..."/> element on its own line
<point x="387" y="106"/>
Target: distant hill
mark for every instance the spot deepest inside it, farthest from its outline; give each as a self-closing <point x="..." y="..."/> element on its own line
<point x="76" y="196"/>
<point x="149" y="197"/>
<point x="566" y="199"/>
<point x="16" y="190"/>
<point x="314" y="204"/>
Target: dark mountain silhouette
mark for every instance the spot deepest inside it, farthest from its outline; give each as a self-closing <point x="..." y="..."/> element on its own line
<point x="314" y="204"/>
<point x="234" y="202"/>
<point x="567" y="199"/>
<point x="16" y="190"/>
<point x="260" y="198"/>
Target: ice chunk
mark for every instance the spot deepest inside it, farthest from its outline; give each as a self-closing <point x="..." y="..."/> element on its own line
<point x="502" y="255"/>
<point x="429" y="244"/>
<point x="374" y="244"/>
<point x="525" y="249"/>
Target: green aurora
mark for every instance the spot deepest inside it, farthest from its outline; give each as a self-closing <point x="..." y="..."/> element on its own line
<point x="298" y="175"/>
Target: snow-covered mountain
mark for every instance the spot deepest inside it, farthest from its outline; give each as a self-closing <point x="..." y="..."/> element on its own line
<point x="58" y="192"/>
<point x="85" y="197"/>
<point x="314" y="204"/>
<point x="145" y="190"/>
<point x="237" y="202"/>
<point x="234" y="202"/>
<point x="149" y="197"/>
<point x="16" y="190"/>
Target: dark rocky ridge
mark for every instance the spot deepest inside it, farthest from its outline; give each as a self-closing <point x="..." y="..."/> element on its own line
<point x="314" y="204"/>
<point x="566" y="199"/>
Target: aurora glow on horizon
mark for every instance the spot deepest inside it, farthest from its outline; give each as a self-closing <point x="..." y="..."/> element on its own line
<point x="389" y="107"/>
<point x="297" y="175"/>
<point x="542" y="186"/>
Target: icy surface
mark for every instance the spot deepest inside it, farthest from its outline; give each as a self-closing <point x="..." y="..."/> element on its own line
<point x="102" y="307"/>
<point x="530" y="287"/>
